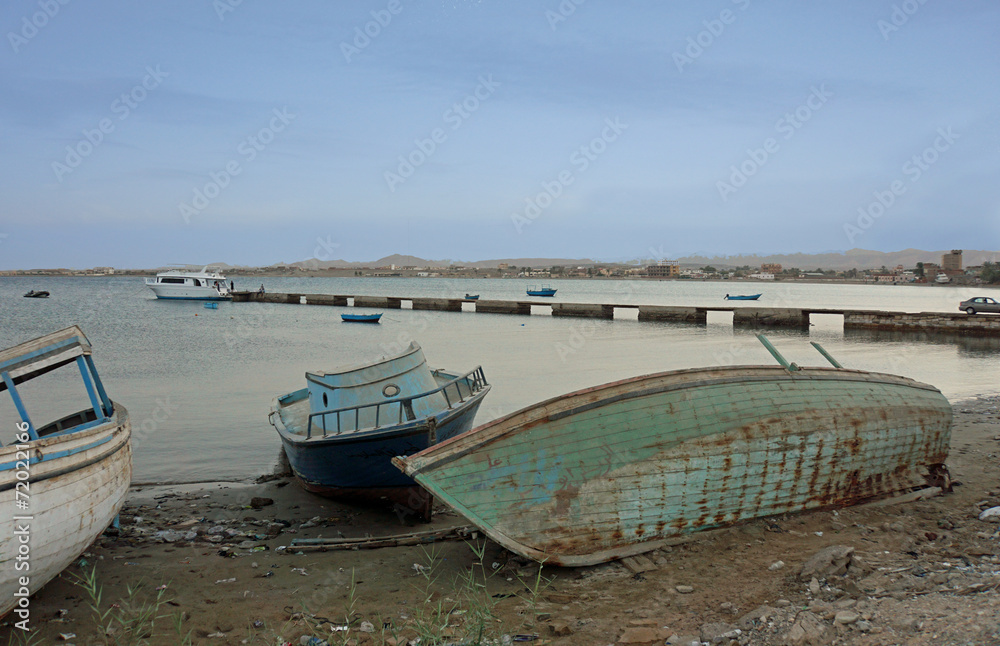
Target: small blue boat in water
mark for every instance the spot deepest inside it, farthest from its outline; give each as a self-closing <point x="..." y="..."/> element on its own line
<point x="751" y="297"/>
<point x="472" y="297"/>
<point x="361" y="318"/>
<point x="341" y="431"/>
<point x="211" y="305"/>
<point x="544" y="290"/>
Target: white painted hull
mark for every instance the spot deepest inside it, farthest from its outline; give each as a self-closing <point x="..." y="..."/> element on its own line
<point x="188" y="292"/>
<point x="71" y="500"/>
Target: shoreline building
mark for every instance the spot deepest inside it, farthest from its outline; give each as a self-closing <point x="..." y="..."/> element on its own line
<point x="664" y="269"/>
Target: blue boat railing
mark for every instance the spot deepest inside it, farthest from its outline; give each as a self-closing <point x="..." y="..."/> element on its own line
<point x="461" y="388"/>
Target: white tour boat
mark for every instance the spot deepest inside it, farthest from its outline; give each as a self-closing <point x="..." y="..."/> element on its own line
<point x="201" y="285"/>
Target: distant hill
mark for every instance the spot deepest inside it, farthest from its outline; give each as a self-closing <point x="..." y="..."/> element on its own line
<point x="853" y="259"/>
<point x="413" y="261"/>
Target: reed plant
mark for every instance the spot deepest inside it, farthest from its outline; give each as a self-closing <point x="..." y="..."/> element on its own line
<point x="132" y="619"/>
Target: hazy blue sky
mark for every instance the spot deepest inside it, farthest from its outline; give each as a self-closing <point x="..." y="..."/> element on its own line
<point x="137" y="134"/>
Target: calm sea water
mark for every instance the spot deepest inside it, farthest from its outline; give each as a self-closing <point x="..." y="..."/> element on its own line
<point x="198" y="383"/>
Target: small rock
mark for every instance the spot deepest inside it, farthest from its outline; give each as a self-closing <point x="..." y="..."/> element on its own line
<point x="777" y="565"/>
<point x="684" y="589"/>
<point x="829" y="561"/>
<point x="814" y="586"/>
<point x="715" y="633"/>
<point x="258" y="502"/>
<point x="643" y="635"/>
<point x="560" y="629"/>
<point x="808" y="629"/>
<point x="991" y="515"/>
<point x="167" y="536"/>
<point x="846" y="617"/>
<point x="367" y="627"/>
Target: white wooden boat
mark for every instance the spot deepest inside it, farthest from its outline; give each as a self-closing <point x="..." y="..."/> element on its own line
<point x="63" y="483"/>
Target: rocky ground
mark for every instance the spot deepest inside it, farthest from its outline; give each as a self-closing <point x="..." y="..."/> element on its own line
<point x="217" y="565"/>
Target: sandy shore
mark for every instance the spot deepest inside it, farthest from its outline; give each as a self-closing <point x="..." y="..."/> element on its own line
<point x="222" y="560"/>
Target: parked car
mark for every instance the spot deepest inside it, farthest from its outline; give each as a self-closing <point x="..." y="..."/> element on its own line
<point x="979" y="304"/>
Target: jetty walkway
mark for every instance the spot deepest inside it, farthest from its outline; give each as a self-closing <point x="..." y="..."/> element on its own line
<point x="750" y="316"/>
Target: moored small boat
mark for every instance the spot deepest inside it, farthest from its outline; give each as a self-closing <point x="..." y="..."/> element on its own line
<point x="472" y="297"/>
<point x="34" y="294"/>
<point x="543" y="290"/>
<point x="211" y="305"/>
<point x="735" y="297"/>
<point x="614" y="470"/>
<point x="341" y="431"/>
<point x="63" y="483"/>
<point x="361" y="318"/>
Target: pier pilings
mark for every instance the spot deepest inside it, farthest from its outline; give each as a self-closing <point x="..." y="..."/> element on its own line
<point x="979" y="325"/>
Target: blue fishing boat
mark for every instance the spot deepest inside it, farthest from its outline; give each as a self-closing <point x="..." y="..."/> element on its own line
<point x="211" y="305"/>
<point x="64" y="481"/>
<point x="472" y="297"/>
<point x="341" y="431"/>
<point x="734" y="297"/>
<point x="361" y="318"/>
<point x="544" y="290"/>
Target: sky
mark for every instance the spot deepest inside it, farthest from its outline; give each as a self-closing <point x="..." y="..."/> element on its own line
<point x="250" y="132"/>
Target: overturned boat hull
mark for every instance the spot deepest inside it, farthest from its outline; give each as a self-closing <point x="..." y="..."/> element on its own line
<point x="614" y="470"/>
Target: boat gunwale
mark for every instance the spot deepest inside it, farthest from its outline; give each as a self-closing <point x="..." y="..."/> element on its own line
<point x="567" y="405"/>
<point x="413" y="347"/>
<point x="410" y="427"/>
<point x="119" y="417"/>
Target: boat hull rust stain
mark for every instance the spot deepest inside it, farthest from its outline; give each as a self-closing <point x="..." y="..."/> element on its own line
<point x="618" y="469"/>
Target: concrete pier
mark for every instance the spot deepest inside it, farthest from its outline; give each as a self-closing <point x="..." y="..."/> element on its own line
<point x="976" y="325"/>
<point x="769" y="317"/>
<point x="585" y="310"/>
<point x="371" y="301"/>
<point x="672" y="314"/>
<point x="503" y="307"/>
<point x="440" y="304"/>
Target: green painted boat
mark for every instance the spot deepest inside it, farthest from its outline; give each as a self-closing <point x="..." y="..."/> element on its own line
<point x="619" y="469"/>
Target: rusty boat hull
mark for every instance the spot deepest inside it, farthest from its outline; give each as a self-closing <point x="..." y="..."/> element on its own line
<point x="615" y="470"/>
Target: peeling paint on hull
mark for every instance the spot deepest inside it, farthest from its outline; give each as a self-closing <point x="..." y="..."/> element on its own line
<point x="614" y="470"/>
<point x="73" y="499"/>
